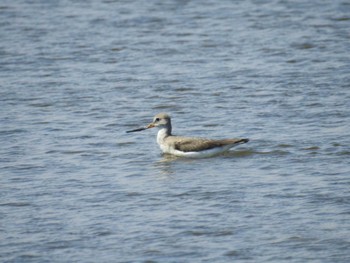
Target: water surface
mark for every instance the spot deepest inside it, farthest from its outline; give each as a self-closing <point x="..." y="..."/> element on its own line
<point x="75" y="75"/>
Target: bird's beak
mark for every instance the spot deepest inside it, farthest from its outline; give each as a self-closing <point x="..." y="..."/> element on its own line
<point x="151" y="125"/>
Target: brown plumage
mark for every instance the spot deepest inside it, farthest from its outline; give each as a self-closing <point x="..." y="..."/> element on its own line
<point x="187" y="146"/>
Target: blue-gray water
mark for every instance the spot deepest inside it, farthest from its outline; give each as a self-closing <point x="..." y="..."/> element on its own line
<point x="75" y="75"/>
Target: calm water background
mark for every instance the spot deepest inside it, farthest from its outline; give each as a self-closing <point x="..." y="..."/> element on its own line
<point x="75" y="75"/>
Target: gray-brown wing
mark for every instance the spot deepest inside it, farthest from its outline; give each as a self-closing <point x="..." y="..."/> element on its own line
<point x="199" y="144"/>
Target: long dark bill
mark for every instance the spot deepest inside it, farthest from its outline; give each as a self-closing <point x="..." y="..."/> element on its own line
<point x="136" y="130"/>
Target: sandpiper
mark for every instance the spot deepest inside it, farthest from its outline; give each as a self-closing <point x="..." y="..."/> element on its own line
<point x="187" y="146"/>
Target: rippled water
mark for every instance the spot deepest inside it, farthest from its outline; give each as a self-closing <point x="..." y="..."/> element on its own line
<point x="75" y="75"/>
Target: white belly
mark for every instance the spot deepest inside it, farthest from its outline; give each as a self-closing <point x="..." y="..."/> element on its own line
<point x="200" y="154"/>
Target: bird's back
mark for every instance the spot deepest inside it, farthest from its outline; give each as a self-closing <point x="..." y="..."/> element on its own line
<point x="193" y="144"/>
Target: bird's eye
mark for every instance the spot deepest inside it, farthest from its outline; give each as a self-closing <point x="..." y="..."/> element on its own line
<point x="157" y="119"/>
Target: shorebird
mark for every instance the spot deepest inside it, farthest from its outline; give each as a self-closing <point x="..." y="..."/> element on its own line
<point x="187" y="146"/>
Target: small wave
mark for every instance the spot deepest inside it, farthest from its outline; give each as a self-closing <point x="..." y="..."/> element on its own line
<point x="239" y="153"/>
<point x="285" y="145"/>
<point x="343" y="153"/>
<point x="311" y="148"/>
<point x="274" y="152"/>
<point x="14" y="131"/>
<point x="16" y="204"/>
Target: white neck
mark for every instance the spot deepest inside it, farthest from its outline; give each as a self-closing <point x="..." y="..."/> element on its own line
<point x="162" y="134"/>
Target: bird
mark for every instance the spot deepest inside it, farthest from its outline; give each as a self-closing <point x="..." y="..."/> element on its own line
<point x="192" y="147"/>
